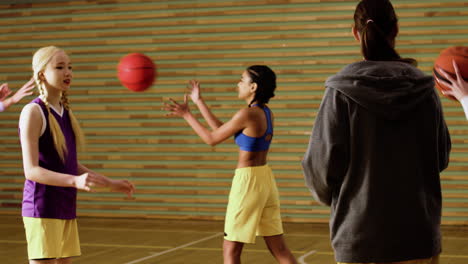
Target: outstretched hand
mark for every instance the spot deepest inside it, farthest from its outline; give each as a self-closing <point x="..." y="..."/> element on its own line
<point x="4" y="91"/>
<point x="195" y="93"/>
<point x="458" y="87"/>
<point x="87" y="181"/>
<point x="23" y="91"/>
<point x="177" y="109"/>
<point x="123" y="186"/>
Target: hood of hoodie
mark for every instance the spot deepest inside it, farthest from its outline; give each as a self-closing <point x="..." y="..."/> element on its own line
<point x="388" y="88"/>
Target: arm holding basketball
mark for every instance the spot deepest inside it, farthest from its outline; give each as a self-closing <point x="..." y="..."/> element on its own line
<point x="218" y="135"/>
<point x="458" y="86"/>
<point x="196" y="97"/>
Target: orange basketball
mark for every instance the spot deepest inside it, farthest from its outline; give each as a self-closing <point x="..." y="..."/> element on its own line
<point x="460" y="56"/>
<point x="136" y="71"/>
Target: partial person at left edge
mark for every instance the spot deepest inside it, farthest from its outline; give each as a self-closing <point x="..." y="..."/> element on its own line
<point x="6" y="102"/>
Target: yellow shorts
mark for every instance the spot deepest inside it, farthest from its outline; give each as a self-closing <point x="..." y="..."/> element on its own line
<point x="433" y="260"/>
<point x="253" y="208"/>
<point x="51" y="238"/>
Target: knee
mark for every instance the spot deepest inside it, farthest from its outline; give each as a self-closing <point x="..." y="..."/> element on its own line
<point x="232" y="249"/>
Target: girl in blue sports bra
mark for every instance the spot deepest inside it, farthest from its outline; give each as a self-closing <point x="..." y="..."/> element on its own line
<point x="253" y="207"/>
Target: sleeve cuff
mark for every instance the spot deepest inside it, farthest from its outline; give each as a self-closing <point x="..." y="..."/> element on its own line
<point x="2" y="108"/>
<point x="464" y="102"/>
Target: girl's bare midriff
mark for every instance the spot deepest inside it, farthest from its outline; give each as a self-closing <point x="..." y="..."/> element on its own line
<point x="252" y="159"/>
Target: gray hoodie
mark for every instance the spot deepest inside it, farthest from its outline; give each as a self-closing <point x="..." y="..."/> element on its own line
<point x="377" y="147"/>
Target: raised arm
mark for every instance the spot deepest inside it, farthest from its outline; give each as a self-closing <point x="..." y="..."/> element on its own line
<point x="195" y="95"/>
<point x="4" y="91"/>
<point x="22" y="92"/>
<point x="237" y="123"/>
<point x="30" y="130"/>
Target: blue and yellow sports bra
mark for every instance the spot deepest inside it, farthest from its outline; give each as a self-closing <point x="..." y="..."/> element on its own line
<point x="262" y="143"/>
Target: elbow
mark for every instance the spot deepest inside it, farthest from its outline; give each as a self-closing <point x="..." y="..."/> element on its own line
<point x="304" y="164"/>
<point x="321" y="195"/>
<point x="321" y="198"/>
<point x="320" y="192"/>
<point x="307" y="170"/>
<point x="31" y="173"/>
<point x="322" y="201"/>
<point x="211" y="141"/>
<point x="28" y="176"/>
<point x="307" y="161"/>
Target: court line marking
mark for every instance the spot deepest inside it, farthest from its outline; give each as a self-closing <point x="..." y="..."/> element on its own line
<point x="244" y="249"/>
<point x="123" y="246"/>
<point x="453" y="256"/>
<point x="145" y="230"/>
<point x="174" y="249"/>
<point x="301" y="258"/>
<point x="98" y="245"/>
<point x="9" y="226"/>
<point x="199" y="232"/>
<point x="92" y="255"/>
<point x="206" y="249"/>
<point x="13" y="241"/>
<point x="172" y="231"/>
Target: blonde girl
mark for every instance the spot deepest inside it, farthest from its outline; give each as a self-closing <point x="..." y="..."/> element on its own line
<point x="50" y="136"/>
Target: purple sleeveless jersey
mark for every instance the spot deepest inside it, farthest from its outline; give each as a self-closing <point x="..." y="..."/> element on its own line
<point x="46" y="201"/>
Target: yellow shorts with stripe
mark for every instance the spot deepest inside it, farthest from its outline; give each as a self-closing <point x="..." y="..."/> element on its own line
<point x="433" y="260"/>
<point x="253" y="208"/>
<point x="51" y="238"/>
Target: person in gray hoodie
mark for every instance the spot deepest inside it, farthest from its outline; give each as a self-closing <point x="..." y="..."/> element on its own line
<point x="377" y="148"/>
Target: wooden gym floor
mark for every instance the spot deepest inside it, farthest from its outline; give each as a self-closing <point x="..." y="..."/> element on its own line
<point x="128" y="241"/>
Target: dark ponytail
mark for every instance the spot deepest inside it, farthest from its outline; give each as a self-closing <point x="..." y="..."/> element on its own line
<point x="265" y="78"/>
<point x="377" y="23"/>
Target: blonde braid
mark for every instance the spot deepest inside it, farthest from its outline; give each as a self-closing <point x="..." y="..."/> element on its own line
<point x="55" y="131"/>
<point x="42" y="93"/>
<point x="79" y="136"/>
<point x="64" y="100"/>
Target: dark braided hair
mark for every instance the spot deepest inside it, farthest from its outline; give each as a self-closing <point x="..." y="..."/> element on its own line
<point x="265" y="78"/>
<point x="377" y="23"/>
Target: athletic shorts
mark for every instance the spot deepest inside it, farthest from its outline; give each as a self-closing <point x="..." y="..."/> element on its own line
<point x="51" y="238"/>
<point x="253" y="208"/>
<point x="433" y="260"/>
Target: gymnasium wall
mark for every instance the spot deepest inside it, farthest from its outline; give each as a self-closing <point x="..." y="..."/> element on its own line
<point x="176" y="174"/>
